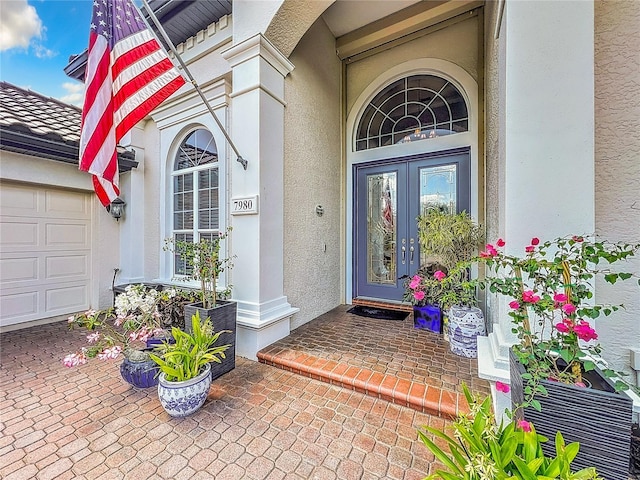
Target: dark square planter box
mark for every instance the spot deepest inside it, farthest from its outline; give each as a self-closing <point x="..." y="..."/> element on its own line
<point x="600" y="420"/>
<point x="223" y="317"/>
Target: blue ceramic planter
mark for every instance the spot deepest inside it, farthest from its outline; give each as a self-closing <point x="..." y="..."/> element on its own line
<point x="427" y="317"/>
<point x="142" y="374"/>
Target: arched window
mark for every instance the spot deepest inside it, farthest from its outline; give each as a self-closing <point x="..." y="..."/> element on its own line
<point x="195" y="191"/>
<point x="418" y="107"/>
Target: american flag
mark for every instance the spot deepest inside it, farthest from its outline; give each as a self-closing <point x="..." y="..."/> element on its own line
<point x="128" y="74"/>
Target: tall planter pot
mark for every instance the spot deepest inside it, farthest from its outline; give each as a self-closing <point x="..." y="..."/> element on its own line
<point x="223" y="317"/>
<point x="139" y="370"/>
<point x="465" y="324"/>
<point x="180" y="399"/>
<point x="599" y="418"/>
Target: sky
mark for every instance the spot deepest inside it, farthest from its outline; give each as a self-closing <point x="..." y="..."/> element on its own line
<point x="37" y="37"/>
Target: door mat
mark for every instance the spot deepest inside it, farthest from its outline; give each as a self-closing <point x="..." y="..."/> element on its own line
<point x="379" y="313"/>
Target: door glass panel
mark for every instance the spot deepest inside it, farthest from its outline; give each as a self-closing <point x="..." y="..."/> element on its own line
<point x="438" y="188"/>
<point x="381" y="228"/>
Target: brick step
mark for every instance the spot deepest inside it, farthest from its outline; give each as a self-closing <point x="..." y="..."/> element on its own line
<point x="418" y="396"/>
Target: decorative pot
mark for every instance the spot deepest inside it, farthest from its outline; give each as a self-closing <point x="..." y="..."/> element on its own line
<point x="139" y="370"/>
<point x="223" y="317"/>
<point x="465" y="324"/>
<point x="599" y="418"/>
<point x="427" y="317"/>
<point x="180" y="399"/>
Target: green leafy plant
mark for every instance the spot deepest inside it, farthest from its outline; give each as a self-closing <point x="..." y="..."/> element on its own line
<point x="550" y="289"/>
<point x="481" y="449"/>
<point x="449" y="238"/>
<point x="204" y="264"/>
<point x="185" y="359"/>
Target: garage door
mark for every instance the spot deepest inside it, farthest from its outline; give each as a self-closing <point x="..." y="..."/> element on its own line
<point x="45" y="254"/>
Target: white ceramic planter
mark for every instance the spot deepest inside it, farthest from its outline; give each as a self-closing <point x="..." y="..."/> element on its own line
<point x="465" y="324"/>
<point x="180" y="399"/>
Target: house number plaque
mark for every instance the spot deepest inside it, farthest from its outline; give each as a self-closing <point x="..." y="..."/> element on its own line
<point x="244" y="205"/>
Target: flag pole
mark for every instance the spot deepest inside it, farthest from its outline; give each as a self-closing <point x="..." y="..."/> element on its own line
<point x="166" y="38"/>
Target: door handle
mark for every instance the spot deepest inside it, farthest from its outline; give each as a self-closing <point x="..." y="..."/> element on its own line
<point x="404" y="251"/>
<point x="411" y="250"/>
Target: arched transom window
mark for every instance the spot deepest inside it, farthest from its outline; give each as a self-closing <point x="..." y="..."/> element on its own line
<point x="418" y="107"/>
<point x="195" y="191"/>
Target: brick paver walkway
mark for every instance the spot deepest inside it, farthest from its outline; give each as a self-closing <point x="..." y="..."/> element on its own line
<point x="259" y="422"/>
<point x="387" y="359"/>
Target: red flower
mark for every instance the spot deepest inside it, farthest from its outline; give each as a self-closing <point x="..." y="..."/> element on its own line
<point x="578" y="239"/>
<point x="569" y="308"/>
<point x="524" y="425"/>
<point x="439" y="275"/>
<point x="529" y="296"/>
<point x="502" y="387"/>
<point x="560" y="298"/>
<point x="585" y="332"/>
<point x="500" y="243"/>
<point x="530" y="249"/>
<point x="562" y="327"/>
<point x="514" y="304"/>
<point x="535" y="241"/>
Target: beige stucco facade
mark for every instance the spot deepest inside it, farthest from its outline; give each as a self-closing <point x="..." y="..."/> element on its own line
<point x="617" y="149"/>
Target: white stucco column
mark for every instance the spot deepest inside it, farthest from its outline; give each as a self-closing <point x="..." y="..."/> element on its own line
<point x="257" y="129"/>
<point x="548" y="135"/>
<point x="132" y="226"/>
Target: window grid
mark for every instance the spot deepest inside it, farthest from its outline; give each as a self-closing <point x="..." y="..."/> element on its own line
<point x="413" y="108"/>
<point x="195" y="192"/>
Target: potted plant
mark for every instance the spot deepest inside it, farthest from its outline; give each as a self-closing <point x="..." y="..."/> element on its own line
<point x="185" y="366"/>
<point x="123" y="329"/>
<point x="203" y="263"/>
<point x="550" y="294"/>
<point x="453" y="240"/>
<point x="424" y="291"/>
<point x="480" y="448"/>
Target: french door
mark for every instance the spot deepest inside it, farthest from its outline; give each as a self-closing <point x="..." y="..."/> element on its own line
<point x="389" y="196"/>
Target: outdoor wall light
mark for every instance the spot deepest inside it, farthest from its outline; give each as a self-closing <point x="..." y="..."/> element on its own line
<point x="116" y="208"/>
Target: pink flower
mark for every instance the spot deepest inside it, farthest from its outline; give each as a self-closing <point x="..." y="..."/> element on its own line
<point x="529" y="296"/>
<point x="93" y="337"/>
<point x="419" y="296"/>
<point x="118" y="321"/>
<point x="110" y="353"/>
<point x="578" y="239"/>
<point x="439" y="275"/>
<point x="90" y="312"/>
<point x="514" y="304"/>
<point x="500" y="243"/>
<point x="71" y="319"/>
<point x="560" y="297"/>
<point x="530" y="249"/>
<point x="569" y="308"/>
<point x="489" y="252"/>
<point x="502" y="387"/>
<point x="524" y="425"/>
<point x="585" y="332"/>
<point x="535" y="241"/>
<point x="415" y="281"/>
<point x="74" y="359"/>
<point x="562" y="327"/>
<point x="580" y="384"/>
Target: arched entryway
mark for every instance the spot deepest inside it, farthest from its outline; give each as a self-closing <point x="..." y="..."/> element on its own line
<point x="413" y="145"/>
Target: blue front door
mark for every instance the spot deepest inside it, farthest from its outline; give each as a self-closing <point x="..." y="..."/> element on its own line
<point x="389" y="196"/>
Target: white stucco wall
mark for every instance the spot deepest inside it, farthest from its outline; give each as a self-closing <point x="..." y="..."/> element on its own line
<point x="617" y="150"/>
<point x="312" y="176"/>
<point x="456" y="43"/>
